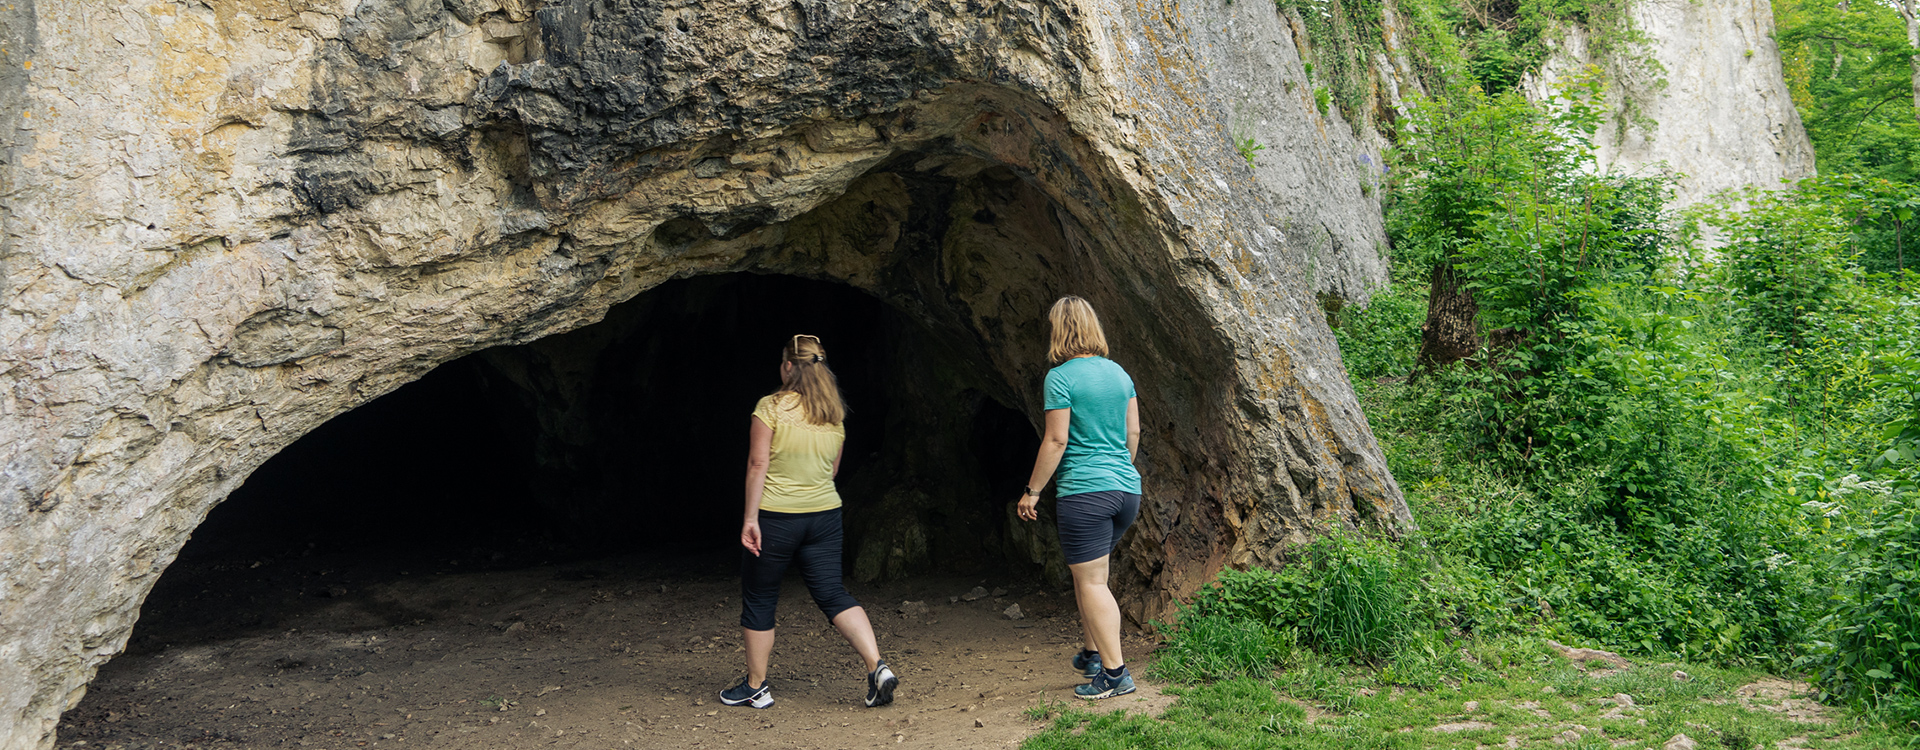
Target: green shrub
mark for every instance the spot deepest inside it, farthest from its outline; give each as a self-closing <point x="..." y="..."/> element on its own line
<point x="1363" y="598"/>
<point x="1354" y="599"/>
<point x="1873" y="656"/>
<point x="1379" y="340"/>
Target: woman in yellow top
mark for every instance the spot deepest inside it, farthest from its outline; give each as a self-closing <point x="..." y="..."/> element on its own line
<point x="793" y="516"/>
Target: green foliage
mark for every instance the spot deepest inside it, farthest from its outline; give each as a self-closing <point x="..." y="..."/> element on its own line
<point x="1248" y="147"/>
<point x="1521" y="693"/>
<point x="1363" y="603"/>
<point x="1379" y="340"/>
<point x="1630" y="467"/>
<point x="1349" y="598"/>
<point x="1788" y="255"/>
<point x="1847" y="65"/>
<point x="1874" y="654"/>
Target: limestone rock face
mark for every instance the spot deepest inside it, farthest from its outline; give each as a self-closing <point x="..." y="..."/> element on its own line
<point x="1724" y="117"/>
<point x="227" y="222"/>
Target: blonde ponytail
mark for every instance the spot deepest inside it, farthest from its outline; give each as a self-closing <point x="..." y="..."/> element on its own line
<point x="813" y="381"/>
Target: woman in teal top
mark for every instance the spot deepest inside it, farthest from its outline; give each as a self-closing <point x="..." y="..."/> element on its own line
<point x="1092" y="436"/>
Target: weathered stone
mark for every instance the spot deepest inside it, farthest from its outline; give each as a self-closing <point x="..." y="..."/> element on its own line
<point x="228" y="222"/>
<point x="1717" y="102"/>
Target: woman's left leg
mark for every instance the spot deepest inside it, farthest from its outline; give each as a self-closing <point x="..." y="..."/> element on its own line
<point x="819" y="561"/>
<point x="854" y="626"/>
<point x="1099" y="613"/>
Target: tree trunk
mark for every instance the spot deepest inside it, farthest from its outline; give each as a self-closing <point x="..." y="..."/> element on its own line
<point x="1905" y="7"/>
<point x="1452" y="330"/>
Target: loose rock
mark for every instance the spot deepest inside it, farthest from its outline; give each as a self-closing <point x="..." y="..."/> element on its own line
<point x="1014" y="613"/>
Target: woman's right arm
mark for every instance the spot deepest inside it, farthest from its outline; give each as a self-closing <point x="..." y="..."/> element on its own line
<point x="1133" y="429"/>
<point x="759" y="453"/>
<point x="1053" y="445"/>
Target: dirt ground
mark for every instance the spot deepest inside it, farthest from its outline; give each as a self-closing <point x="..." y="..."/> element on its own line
<point x="319" y="653"/>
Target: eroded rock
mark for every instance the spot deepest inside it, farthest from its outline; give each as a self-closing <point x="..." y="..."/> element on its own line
<point x="227" y="223"/>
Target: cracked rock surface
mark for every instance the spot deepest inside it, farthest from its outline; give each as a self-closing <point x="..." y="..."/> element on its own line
<point x="227" y="222"/>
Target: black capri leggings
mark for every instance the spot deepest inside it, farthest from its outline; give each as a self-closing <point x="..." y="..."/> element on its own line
<point x="1091" y="523"/>
<point x="811" y="539"/>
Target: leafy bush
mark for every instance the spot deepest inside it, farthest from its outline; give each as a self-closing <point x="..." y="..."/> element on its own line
<point x="1379" y="340"/>
<point x="1350" y="598"/>
<point x="1874" y="654"/>
<point x="1363" y="604"/>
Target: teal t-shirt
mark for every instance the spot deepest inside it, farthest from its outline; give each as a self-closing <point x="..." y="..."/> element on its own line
<point x="1097" y="391"/>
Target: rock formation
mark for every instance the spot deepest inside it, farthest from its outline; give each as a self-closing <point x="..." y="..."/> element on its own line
<point x="229" y="221"/>
<point x="1713" y="105"/>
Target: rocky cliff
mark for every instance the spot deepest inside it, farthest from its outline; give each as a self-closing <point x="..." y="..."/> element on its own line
<point x="1712" y="104"/>
<point x="228" y="221"/>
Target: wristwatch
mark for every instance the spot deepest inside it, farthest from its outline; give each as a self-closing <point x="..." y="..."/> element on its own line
<point x="1030" y="491"/>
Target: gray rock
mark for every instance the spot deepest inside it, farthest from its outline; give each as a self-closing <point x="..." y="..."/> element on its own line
<point x="198" y="271"/>
<point x="914" y="609"/>
<point x="1723" y="118"/>
<point x="1680" y="742"/>
<point x="978" y="593"/>
<point x="1013" y="612"/>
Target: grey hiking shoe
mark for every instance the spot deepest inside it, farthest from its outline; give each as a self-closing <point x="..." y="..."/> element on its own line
<point x="743" y="695"/>
<point x="1106" y="687"/>
<point x="1088" y="662"/>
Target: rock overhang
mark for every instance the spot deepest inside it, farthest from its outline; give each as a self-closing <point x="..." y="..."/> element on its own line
<point x="230" y="223"/>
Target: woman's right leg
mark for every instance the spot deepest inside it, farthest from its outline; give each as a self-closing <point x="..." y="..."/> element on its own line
<point x="759" y="652"/>
<point x="760" y="591"/>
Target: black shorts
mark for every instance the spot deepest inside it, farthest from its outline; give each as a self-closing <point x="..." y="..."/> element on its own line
<point x="813" y="540"/>
<point x="1091" y="523"/>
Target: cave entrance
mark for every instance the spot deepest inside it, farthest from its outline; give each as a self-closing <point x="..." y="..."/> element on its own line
<point x="626" y="439"/>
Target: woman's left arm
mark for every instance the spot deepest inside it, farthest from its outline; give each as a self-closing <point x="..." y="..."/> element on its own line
<point x="836" y="460"/>
<point x="1133" y="429"/>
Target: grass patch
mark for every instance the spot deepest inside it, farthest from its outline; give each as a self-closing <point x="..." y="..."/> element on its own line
<point x="1519" y="690"/>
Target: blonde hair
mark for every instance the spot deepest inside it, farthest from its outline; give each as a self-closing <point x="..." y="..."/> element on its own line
<point x="812" y="381"/>
<point x="1076" y="330"/>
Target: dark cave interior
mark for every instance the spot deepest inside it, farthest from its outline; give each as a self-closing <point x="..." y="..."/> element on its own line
<point x="627" y="439"/>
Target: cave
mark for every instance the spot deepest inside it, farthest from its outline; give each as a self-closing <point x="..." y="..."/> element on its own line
<point x="474" y="196"/>
<point x="626" y="438"/>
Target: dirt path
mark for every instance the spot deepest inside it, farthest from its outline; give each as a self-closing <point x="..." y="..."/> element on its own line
<point x="294" y="654"/>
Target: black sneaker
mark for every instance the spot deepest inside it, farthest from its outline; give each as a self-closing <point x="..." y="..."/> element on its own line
<point x="742" y="695"/>
<point x="880" y="685"/>
<point x="1088" y="662"/>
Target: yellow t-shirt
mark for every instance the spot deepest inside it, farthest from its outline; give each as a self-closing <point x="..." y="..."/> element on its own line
<point x="800" y="473"/>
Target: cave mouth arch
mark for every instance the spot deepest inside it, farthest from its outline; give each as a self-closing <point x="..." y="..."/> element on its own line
<point x="624" y="440"/>
<point x="937" y="264"/>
